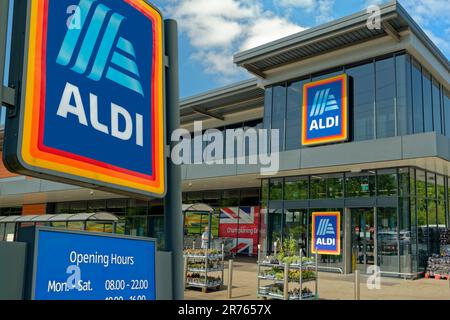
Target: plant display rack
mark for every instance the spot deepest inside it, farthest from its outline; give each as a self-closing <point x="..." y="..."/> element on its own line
<point x="200" y="265"/>
<point x="292" y="283"/>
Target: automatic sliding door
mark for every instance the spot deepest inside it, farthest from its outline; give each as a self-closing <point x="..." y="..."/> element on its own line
<point x="388" y="240"/>
<point x="363" y="238"/>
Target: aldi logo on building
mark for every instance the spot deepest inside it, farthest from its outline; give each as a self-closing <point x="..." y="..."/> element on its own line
<point x="325" y="111"/>
<point x="326" y="233"/>
<point x="93" y="106"/>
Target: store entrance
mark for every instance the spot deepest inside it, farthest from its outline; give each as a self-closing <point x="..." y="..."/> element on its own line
<point x="363" y="238"/>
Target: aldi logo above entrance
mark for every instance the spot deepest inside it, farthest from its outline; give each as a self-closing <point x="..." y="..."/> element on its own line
<point x="93" y="105"/>
<point x="325" y="111"/>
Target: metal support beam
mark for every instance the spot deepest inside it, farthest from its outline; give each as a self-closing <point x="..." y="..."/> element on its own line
<point x="4" y="11"/>
<point x="173" y="215"/>
<point x="390" y="30"/>
<point x="255" y="71"/>
<point x="208" y="113"/>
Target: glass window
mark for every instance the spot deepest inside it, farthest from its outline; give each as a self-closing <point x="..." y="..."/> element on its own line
<point x="194" y="197"/>
<point x="294" y="114"/>
<point x="267" y="121"/>
<point x="230" y="198"/>
<point x="360" y="184"/>
<point x="212" y="198"/>
<point x="427" y="101"/>
<point x="276" y="189"/>
<point x="78" y="207"/>
<point x="62" y="207"/>
<point x="264" y="192"/>
<point x="296" y="226"/>
<point x="318" y="187"/>
<point x="431" y="185"/>
<point x="296" y="188"/>
<point x="414" y="235"/>
<point x="387" y="182"/>
<point x="117" y="206"/>
<point x="422" y="230"/>
<point x="97" y="206"/>
<point x="421" y="190"/>
<point x="327" y="74"/>
<point x="249" y="197"/>
<point x="274" y="228"/>
<point x="446" y="99"/>
<point x="437" y="107"/>
<point x="404" y="106"/>
<point x="385" y="97"/>
<point x="279" y="112"/>
<point x="433" y="227"/>
<point x="268" y="108"/>
<point x="405" y="235"/>
<point x="387" y="239"/>
<point x="416" y="75"/>
<point x="335" y="186"/>
<point x="403" y="181"/>
<point x="362" y="82"/>
<point x="138" y="208"/>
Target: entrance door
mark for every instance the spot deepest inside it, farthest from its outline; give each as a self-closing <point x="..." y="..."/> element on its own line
<point x="363" y="238"/>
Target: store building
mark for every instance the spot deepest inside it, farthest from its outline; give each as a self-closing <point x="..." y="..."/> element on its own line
<point x="389" y="179"/>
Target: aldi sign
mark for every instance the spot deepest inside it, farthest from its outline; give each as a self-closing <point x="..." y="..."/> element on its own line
<point x="325" y="111"/>
<point x="92" y="111"/>
<point x="326" y="233"/>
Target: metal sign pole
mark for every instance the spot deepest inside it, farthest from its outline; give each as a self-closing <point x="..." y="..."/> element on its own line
<point x="4" y="10"/>
<point x="173" y="226"/>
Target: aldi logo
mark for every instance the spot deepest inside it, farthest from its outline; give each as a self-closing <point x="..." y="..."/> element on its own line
<point x="325" y="111"/>
<point x="326" y="233"/>
<point x="93" y="107"/>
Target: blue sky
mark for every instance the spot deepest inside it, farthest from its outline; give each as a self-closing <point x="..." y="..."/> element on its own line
<point x="206" y="51"/>
<point x="211" y="31"/>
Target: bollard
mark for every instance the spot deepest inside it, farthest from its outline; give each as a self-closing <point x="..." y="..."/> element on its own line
<point x="357" y="286"/>
<point x="230" y="278"/>
<point x="185" y="272"/>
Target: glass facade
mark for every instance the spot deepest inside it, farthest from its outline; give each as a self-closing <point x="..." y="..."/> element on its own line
<point x="393" y="216"/>
<point x="390" y="96"/>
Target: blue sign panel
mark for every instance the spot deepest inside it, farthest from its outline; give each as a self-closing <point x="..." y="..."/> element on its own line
<point x="82" y="266"/>
<point x="326" y="233"/>
<point x="325" y="111"/>
<point x="94" y="95"/>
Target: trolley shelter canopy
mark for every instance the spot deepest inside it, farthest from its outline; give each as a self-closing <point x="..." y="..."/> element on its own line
<point x="197" y="207"/>
<point x="79" y="217"/>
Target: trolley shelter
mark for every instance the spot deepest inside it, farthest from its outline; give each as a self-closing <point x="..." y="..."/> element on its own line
<point x="196" y="217"/>
<point x="99" y="221"/>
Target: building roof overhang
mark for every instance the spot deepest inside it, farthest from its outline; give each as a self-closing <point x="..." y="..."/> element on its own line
<point x="335" y="35"/>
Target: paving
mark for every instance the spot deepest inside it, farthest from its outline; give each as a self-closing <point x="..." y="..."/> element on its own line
<point x="331" y="287"/>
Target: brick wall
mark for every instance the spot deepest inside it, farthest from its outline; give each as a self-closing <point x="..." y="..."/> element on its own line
<point x="39" y="209"/>
<point x="4" y="173"/>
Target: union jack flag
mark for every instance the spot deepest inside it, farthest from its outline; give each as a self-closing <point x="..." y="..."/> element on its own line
<point x="241" y="224"/>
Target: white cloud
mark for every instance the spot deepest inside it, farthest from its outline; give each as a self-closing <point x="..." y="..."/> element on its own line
<point x="217" y="29"/>
<point x="441" y="43"/>
<point x="267" y="29"/>
<point x="428" y="11"/>
<point x="304" y="4"/>
<point x="322" y="9"/>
